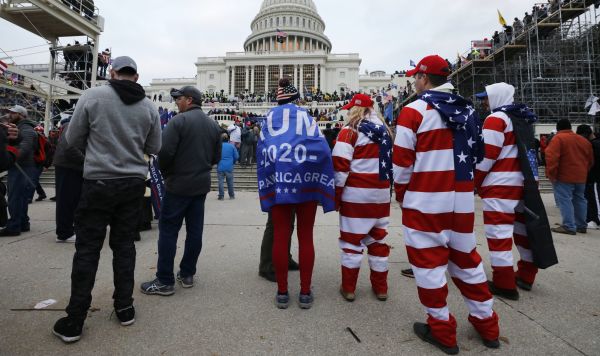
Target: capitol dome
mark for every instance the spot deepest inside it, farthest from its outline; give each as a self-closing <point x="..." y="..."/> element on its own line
<point x="299" y="19"/>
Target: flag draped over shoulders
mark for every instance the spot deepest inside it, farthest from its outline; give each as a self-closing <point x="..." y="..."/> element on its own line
<point x="294" y="160"/>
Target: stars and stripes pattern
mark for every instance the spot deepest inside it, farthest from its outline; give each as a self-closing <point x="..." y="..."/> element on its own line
<point x="378" y="133"/>
<point x="365" y="201"/>
<point x="286" y="92"/>
<point x="434" y="184"/>
<point x="3" y="67"/>
<point x="499" y="181"/>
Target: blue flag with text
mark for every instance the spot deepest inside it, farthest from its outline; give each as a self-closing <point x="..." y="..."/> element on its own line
<point x="294" y="160"/>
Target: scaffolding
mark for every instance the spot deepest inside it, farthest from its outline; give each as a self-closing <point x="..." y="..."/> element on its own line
<point x="554" y="64"/>
<point x="71" y="69"/>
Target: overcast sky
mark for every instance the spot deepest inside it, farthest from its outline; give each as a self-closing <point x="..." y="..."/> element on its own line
<point x="166" y="37"/>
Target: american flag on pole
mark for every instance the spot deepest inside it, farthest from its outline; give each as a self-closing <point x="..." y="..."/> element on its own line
<point x="3" y="67"/>
<point x="281" y="36"/>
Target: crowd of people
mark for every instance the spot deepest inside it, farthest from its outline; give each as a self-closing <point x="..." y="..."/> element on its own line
<point x="432" y="160"/>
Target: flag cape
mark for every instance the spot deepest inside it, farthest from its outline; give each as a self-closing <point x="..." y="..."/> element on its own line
<point x="157" y="185"/>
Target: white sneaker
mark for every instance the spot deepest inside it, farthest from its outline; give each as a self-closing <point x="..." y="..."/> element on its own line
<point x="69" y="240"/>
<point x="593" y="226"/>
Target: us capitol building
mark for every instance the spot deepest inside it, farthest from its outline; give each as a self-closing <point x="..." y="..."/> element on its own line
<point x="304" y="56"/>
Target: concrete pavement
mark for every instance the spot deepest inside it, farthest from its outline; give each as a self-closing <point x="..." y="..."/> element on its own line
<point x="230" y="311"/>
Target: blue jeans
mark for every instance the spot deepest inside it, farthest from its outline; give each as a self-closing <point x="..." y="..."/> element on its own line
<point x="570" y="198"/>
<point x="229" y="176"/>
<point x="174" y="209"/>
<point x="19" y="191"/>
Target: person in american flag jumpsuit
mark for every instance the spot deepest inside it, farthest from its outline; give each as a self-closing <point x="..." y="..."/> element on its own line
<point x="363" y="170"/>
<point x="499" y="182"/>
<point x="436" y="148"/>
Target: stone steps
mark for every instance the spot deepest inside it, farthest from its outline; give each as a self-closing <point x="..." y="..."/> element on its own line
<point x="245" y="179"/>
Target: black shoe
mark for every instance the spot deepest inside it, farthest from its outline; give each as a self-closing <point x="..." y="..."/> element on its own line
<point x="146" y="227"/>
<point x="53" y="198"/>
<point x="306" y="300"/>
<point x="511" y="294"/>
<point x="524" y="285"/>
<point x="186" y="282"/>
<point x="137" y="237"/>
<point x="126" y="315"/>
<point x="491" y="344"/>
<point x="155" y="287"/>
<point x="582" y="230"/>
<point x="43" y="197"/>
<point x="269" y="276"/>
<point x="6" y="232"/>
<point x="423" y="331"/>
<point x="293" y="266"/>
<point x="26" y="228"/>
<point x="408" y="273"/>
<point x="68" y="329"/>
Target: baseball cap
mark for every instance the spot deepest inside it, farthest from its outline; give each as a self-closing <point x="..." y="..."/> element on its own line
<point x="481" y="95"/>
<point x="123" y="62"/>
<point x="362" y="100"/>
<point x="433" y="64"/>
<point x="189" y="91"/>
<point x="19" y="110"/>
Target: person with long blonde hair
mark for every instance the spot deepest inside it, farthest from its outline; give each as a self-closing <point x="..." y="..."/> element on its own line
<point x="362" y="163"/>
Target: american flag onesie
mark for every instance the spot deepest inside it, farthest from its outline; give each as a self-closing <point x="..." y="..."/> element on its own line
<point x="436" y="147"/>
<point x="499" y="183"/>
<point x="362" y="164"/>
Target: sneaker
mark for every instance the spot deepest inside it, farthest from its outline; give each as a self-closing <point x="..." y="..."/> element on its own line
<point x="524" y="285"/>
<point x="126" y="315"/>
<point x="408" y="273"/>
<point x="563" y="230"/>
<point x="511" y="294"/>
<point x="380" y="296"/>
<point x="186" y="282"/>
<point x="220" y="198"/>
<point x="155" y="287"/>
<point x="593" y="226"/>
<point x="423" y="331"/>
<point x="68" y="329"/>
<point x="70" y="240"/>
<point x="491" y="344"/>
<point x="349" y="297"/>
<point x="231" y="198"/>
<point x="43" y="197"/>
<point x="582" y="230"/>
<point x="306" y="300"/>
<point x="282" y="301"/>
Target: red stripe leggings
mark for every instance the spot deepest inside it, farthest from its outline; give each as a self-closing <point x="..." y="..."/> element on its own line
<point x="282" y="217"/>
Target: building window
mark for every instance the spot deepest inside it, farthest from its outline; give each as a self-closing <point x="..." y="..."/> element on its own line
<point x="297" y="21"/>
<point x="303" y="22"/>
<point x="288" y="72"/>
<point x="284" y="20"/>
<point x="277" y="21"/>
<point x="273" y="78"/>
<point x="259" y="80"/>
<point x="309" y="77"/>
<point x="342" y="74"/>
<point x="271" y="21"/>
<point x="211" y="76"/>
<point x="240" y="79"/>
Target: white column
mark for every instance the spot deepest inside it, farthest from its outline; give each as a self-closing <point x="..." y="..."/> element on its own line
<point x="322" y="78"/>
<point x="227" y="76"/>
<point x="304" y="43"/>
<point x="264" y="45"/>
<point x="233" y="80"/>
<point x="280" y="71"/>
<point x="316" y="71"/>
<point x="252" y="78"/>
<point x="296" y="75"/>
<point x="266" y="79"/>
<point x="247" y="86"/>
<point x="301" y="89"/>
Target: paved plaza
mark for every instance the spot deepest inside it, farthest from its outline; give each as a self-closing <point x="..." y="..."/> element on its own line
<point x="230" y="311"/>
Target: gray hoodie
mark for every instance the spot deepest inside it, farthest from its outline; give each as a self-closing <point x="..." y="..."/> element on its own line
<point x="113" y="134"/>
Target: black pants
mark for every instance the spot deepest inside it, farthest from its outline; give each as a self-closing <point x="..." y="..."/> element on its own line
<point x="266" y="248"/>
<point x="68" y="184"/>
<point x="592" y="194"/>
<point x="115" y="203"/>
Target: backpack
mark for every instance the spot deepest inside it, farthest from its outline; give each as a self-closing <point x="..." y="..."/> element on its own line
<point x="44" y="153"/>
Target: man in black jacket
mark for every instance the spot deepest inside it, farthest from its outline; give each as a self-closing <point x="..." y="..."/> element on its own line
<point x="592" y="187"/>
<point x="191" y="146"/>
<point x="23" y="176"/>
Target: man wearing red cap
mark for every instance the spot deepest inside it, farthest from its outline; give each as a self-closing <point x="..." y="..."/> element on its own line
<point x="438" y="143"/>
<point x="362" y="163"/>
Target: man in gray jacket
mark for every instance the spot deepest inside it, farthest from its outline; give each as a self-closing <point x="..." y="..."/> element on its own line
<point x="191" y="146"/>
<point x="22" y="177"/>
<point x="115" y="125"/>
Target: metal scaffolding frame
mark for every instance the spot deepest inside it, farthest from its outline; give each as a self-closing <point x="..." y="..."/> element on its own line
<point x="53" y="20"/>
<point x="554" y="64"/>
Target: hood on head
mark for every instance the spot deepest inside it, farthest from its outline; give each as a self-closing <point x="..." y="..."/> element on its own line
<point x="500" y="94"/>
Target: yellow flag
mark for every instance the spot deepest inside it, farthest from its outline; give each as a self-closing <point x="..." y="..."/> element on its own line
<point x="501" y="19"/>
